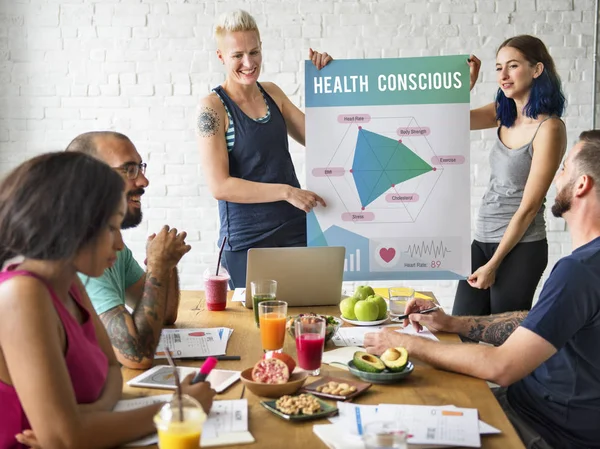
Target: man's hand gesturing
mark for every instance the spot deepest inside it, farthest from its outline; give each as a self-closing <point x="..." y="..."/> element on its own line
<point x="166" y="248"/>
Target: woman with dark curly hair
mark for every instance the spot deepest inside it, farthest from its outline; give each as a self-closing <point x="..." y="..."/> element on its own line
<point x="59" y="377"/>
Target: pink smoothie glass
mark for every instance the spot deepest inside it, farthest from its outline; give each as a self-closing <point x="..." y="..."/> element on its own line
<point x="215" y="288"/>
<point x="310" y="342"/>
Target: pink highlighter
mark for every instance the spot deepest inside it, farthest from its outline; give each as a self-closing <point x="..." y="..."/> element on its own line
<point x="205" y="370"/>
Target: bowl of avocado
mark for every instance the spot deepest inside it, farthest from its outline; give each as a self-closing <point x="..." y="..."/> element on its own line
<point x="391" y="367"/>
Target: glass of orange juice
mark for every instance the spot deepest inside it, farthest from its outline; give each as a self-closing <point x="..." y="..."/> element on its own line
<point x="272" y="317"/>
<point x="175" y="432"/>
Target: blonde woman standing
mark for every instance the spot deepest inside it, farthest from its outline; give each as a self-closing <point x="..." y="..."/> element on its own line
<point x="242" y="129"/>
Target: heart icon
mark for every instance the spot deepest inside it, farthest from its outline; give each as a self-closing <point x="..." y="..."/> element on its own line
<point x="387" y="254"/>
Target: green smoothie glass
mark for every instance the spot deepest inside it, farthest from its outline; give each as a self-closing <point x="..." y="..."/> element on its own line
<point x="262" y="290"/>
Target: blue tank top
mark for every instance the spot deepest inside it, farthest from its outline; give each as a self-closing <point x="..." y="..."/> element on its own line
<point x="260" y="153"/>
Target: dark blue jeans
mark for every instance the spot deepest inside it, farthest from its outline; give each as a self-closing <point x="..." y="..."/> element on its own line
<point x="530" y="437"/>
<point x="235" y="262"/>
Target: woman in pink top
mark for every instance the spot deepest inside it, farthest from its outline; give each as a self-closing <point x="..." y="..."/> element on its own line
<point x="59" y="378"/>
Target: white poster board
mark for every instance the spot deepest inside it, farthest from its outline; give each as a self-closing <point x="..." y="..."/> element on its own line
<point x="388" y="149"/>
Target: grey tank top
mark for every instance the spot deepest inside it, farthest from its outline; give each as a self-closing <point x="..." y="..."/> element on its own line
<point x="510" y="170"/>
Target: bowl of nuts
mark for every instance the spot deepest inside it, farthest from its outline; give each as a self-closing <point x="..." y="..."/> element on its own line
<point x="336" y="388"/>
<point x="300" y="408"/>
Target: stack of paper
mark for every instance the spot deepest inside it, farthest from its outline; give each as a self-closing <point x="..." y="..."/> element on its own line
<point x="193" y="342"/>
<point x="227" y="422"/>
<point x="436" y="425"/>
<point x="355" y="336"/>
<point x="428" y="426"/>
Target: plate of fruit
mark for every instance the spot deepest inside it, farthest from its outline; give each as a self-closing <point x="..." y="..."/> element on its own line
<point x="364" y="323"/>
<point x="273" y="376"/>
<point x="391" y="367"/>
<point x="364" y="307"/>
<point x="333" y="324"/>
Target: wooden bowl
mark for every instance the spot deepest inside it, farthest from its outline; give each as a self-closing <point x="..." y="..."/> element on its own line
<point x="273" y="390"/>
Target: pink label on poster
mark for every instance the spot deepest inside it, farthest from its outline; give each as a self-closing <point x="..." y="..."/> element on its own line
<point x="402" y="197"/>
<point x="413" y="131"/>
<point x="354" y="118"/>
<point x="358" y="216"/>
<point x="328" y="171"/>
<point x="448" y="160"/>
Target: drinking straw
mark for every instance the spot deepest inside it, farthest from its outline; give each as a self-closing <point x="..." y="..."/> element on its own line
<point x="220" y="254"/>
<point x="177" y="383"/>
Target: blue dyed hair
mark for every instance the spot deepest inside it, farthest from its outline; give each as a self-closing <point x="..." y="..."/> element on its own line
<point x="545" y="95"/>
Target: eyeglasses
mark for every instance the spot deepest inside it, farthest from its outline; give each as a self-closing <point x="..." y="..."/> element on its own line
<point x="132" y="170"/>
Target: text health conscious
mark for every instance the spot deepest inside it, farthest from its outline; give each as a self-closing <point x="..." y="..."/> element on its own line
<point x="385" y="83"/>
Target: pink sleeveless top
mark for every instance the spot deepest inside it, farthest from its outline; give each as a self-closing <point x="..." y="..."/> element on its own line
<point x="86" y="363"/>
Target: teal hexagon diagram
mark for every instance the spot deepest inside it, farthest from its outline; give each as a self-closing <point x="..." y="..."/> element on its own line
<point x="381" y="163"/>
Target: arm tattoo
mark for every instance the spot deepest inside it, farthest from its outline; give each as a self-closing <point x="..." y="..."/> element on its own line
<point x="207" y="122"/>
<point x="494" y="329"/>
<point x="137" y="338"/>
<point x="123" y="339"/>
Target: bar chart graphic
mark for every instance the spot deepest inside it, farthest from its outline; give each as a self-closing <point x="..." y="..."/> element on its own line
<point x="352" y="261"/>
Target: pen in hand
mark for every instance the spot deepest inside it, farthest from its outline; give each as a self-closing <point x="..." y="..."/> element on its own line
<point x="205" y="370"/>
<point x="403" y="317"/>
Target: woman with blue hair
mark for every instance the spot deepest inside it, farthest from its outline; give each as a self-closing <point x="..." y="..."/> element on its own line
<point x="510" y="250"/>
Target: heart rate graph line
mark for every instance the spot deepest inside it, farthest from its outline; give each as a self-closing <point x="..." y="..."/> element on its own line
<point x="428" y="249"/>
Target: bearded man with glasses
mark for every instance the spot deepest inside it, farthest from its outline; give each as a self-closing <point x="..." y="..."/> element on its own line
<point x="152" y="295"/>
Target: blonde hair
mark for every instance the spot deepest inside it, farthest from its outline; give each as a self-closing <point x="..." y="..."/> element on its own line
<point x="238" y="20"/>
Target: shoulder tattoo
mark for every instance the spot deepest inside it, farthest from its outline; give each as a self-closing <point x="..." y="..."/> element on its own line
<point x="207" y="122"/>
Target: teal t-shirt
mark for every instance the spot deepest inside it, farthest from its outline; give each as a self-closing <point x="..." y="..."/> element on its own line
<point x="108" y="290"/>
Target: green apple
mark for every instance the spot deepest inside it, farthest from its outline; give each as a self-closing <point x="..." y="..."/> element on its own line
<point x="347" y="307"/>
<point x="366" y="310"/>
<point x="381" y="305"/>
<point x="362" y="292"/>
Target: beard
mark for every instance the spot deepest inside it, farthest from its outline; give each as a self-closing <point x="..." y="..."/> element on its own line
<point x="562" y="203"/>
<point x="133" y="217"/>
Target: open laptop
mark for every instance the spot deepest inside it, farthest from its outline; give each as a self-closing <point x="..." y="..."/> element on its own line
<point x="305" y="276"/>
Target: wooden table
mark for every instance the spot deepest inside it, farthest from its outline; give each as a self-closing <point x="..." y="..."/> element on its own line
<point x="426" y="385"/>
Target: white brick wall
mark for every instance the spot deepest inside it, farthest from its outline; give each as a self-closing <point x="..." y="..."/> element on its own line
<point x="139" y="67"/>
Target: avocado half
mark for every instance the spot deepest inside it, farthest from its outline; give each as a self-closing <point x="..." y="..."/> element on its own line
<point x="395" y="359"/>
<point x="367" y="362"/>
